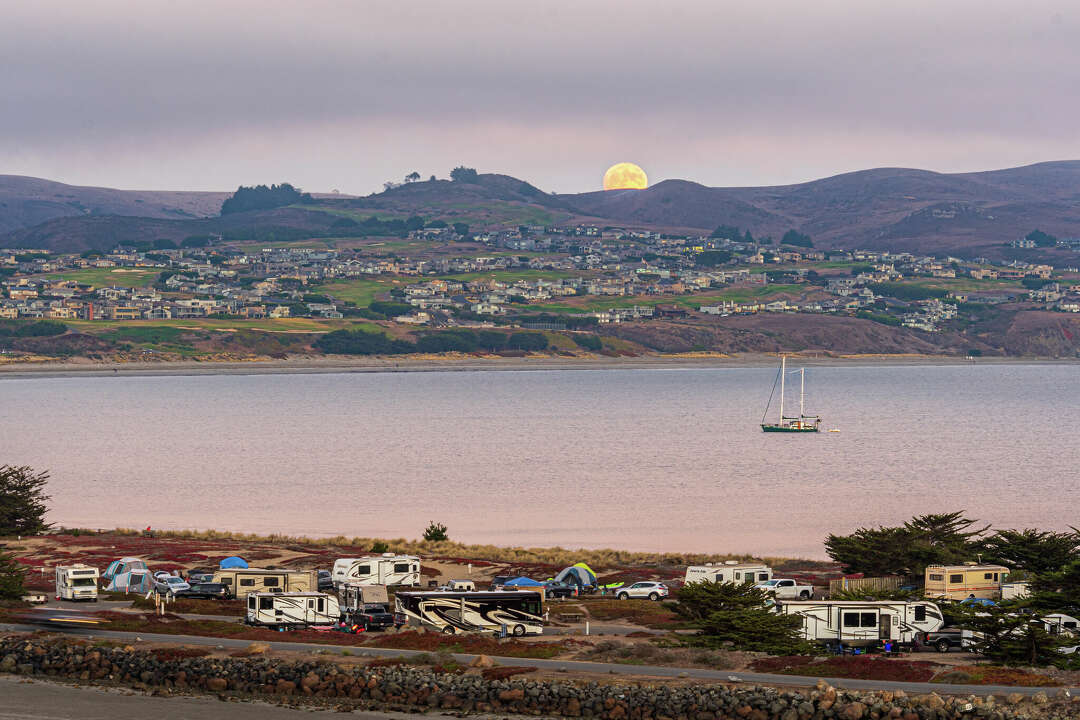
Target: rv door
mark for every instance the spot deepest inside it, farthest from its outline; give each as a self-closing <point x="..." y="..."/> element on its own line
<point x="885" y="626"/>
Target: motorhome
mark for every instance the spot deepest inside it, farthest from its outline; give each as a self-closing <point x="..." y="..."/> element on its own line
<point x="729" y="572"/>
<point x="385" y="569"/>
<point x="515" y="612"/>
<point x="76" y="582"/>
<point x="292" y="610"/>
<point x="241" y="582"/>
<point x="970" y="580"/>
<point x="861" y="623"/>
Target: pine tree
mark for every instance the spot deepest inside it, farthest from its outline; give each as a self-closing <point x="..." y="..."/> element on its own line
<point x="739" y="615"/>
<point x="12" y="577"/>
<point x="22" y="501"/>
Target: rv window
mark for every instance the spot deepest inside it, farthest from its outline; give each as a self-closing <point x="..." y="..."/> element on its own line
<point x="738" y="576"/>
<point x="851" y="619"/>
<point x="763" y="577"/>
<point x="531" y="606"/>
<point x="311" y="604"/>
<point x="226" y="581"/>
<point x="920" y="613"/>
<point x="251" y="602"/>
<point x="937" y="578"/>
<point x="247" y="582"/>
<point x="956" y="579"/>
<point x="1069" y="624"/>
<point x="266" y="603"/>
<point x="401" y="567"/>
<point x="995" y="576"/>
<point x="988" y="576"/>
<point x="363" y="570"/>
<point x="322" y="605"/>
<point x="869" y="620"/>
<point x="271" y="581"/>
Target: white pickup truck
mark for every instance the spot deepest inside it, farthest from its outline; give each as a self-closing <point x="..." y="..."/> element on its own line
<point x="787" y="589"/>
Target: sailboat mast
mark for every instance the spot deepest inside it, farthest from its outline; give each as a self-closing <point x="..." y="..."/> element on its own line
<point x="783" y="372"/>
<point x="802" y="390"/>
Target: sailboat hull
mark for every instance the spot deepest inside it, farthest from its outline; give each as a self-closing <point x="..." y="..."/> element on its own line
<point x="789" y="428"/>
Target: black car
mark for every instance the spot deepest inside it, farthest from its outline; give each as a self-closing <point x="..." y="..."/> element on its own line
<point x="553" y="589"/>
<point x="205" y="591"/>
<point x="326" y="581"/>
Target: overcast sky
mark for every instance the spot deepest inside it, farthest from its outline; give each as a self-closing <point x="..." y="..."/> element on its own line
<point x="344" y="95"/>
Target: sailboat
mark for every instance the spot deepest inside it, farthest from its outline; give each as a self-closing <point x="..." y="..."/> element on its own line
<point x="800" y="423"/>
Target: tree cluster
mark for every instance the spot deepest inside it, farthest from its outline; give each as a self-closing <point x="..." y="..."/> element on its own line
<point x="796" y="238"/>
<point x="738" y="616"/>
<point x="261" y="197"/>
<point x="38" y="328"/>
<point x="1041" y="239"/>
<point x="464" y="174"/>
<point x="712" y="258"/>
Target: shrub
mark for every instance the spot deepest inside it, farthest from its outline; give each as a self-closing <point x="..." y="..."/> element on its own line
<point x="435" y="532"/>
<point x="12" y="578"/>
<point x="379" y="547"/>
<point x="588" y="342"/>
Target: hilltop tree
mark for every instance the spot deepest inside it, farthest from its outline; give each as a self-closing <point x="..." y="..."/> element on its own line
<point x="22" y="500"/>
<point x="1041" y="239"/>
<point x="463" y="174"/>
<point x="261" y="197"/>
<point x="738" y="614"/>
<point x="412" y="177"/>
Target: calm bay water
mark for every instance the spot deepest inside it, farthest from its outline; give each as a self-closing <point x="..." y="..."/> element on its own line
<point x="669" y="460"/>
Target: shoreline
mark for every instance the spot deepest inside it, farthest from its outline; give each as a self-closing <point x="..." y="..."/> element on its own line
<point x="469" y="363"/>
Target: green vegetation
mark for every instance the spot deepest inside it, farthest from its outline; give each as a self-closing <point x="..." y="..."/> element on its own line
<point x="712" y="258"/>
<point x="739" y="615"/>
<point x="1010" y="633"/>
<point x="796" y="238"/>
<point x="1034" y="551"/>
<point x="22" y="501"/>
<point x="363" y="342"/>
<point x="464" y="174"/>
<point x="435" y="532"/>
<point x="104" y="277"/>
<point x="908" y="549"/>
<point x="261" y="197"/>
<point x="588" y="342"/>
<point x="12" y="577"/>
<point x="37" y="328"/>
<point x="1041" y="239"/>
<point x="907" y="291"/>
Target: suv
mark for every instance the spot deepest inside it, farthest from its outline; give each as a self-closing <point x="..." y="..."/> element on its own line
<point x="205" y="591"/>
<point x="170" y="584"/>
<point x="942" y="640"/>
<point x="650" y="590"/>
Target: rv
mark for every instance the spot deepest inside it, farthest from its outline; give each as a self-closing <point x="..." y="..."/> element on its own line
<point x="1015" y="590"/>
<point x="76" y="582"/>
<point x="292" y="610"/>
<point x="385" y="569"/>
<point x="729" y="572"/>
<point x="516" y="612"/>
<point x="862" y="623"/>
<point x="970" y="580"/>
<point x="241" y="582"/>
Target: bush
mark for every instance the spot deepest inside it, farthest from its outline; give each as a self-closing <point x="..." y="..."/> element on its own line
<point x="379" y="547"/>
<point x="41" y="328"/>
<point x="588" y="342"/>
<point x="435" y="532"/>
<point x="796" y="238"/>
<point x="527" y="341"/>
<point x="359" y="342"/>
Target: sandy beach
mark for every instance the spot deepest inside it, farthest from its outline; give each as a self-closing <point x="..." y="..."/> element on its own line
<point x="472" y="363"/>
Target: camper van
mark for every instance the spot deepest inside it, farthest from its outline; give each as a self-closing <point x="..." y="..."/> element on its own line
<point x="517" y="612"/>
<point x="241" y="582"/>
<point x="862" y="623"/>
<point x="385" y="569"/>
<point x="959" y="582"/>
<point x="729" y="572"/>
<point x="291" y="610"/>
<point x="76" y="582"/>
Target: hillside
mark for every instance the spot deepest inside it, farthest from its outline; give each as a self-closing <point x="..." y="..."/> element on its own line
<point x="27" y="201"/>
<point x="899" y="209"/>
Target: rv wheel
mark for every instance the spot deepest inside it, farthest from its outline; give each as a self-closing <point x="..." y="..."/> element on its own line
<point x="519" y="630"/>
<point x="448" y="630"/>
<point x="943" y="646"/>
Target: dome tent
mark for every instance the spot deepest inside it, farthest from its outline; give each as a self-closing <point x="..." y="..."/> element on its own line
<point x="578" y="574"/>
<point x="137" y="581"/>
<point x="233" y="562"/>
<point x="123" y="565"/>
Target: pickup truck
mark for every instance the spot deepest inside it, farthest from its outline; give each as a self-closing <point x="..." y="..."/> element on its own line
<point x="787" y="589"/>
<point x="942" y="640"/>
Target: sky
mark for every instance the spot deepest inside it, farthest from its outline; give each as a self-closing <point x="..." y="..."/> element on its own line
<point x="344" y="95"/>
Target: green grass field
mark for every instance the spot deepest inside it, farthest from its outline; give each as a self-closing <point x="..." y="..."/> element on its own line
<point x="104" y="277"/>
<point x="361" y="290"/>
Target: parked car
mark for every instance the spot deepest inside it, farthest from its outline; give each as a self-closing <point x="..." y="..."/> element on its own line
<point x="205" y="591"/>
<point x="499" y="581"/>
<point x="787" y="589"/>
<point x="170" y="584"/>
<point x="942" y="640"/>
<point x="200" y="576"/>
<point x="650" y="590"/>
<point x="553" y="589"/>
<point x="326" y="582"/>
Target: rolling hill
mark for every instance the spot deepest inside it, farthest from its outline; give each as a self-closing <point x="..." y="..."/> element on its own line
<point x="886" y="208"/>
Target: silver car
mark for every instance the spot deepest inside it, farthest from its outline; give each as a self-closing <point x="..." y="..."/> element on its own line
<point x="650" y="590"/>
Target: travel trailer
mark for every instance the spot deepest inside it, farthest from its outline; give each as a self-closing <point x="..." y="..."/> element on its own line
<point x="76" y="582"/>
<point x="292" y="610"/>
<point x="385" y="569"/>
<point x="241" y="582"/>
<point x="1015" y="590"/>
<point x="517" y="612"/>
<point x="959" y="582"/>
<point x="862" y="623"/>
<point x="729" y="572"/>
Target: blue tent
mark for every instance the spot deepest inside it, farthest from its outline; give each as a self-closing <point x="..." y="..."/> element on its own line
<point x="522" y="582"/>
<point x="233" y="562"/>
<point x="978" y="601"/>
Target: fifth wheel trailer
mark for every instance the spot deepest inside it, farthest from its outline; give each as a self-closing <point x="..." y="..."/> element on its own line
<point x="290" y="610"/>
<point x="862" y="623"/>
<point x="385" y="569"/>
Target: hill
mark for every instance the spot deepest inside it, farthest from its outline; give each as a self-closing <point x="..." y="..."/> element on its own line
<point x="899" y="209"/>
<point x="28" y="201"/>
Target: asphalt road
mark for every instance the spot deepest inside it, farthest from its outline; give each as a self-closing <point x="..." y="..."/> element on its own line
<point x="723" y="676"/>
<point x="39" y="700"/>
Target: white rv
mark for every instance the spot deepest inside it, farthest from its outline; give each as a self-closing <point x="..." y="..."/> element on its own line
<point x="385" y="569"/>
<point x="729" y="572"/>
<point x="76" y="582"/>
<point x="292" y="610"/>
<point x="1015" y="590"/>
<point x="517" y="612"/>
<point x="862" y="623"/>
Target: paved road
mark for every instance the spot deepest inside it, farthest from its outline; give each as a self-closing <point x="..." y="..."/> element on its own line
<point x="590" y="667"/>
<point x="52" y="701"/>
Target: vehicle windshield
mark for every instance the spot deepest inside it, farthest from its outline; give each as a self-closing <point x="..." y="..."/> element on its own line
<point x="770" y="583"/>
<point x="175" y="581"/>
<point x="82" y="582"/>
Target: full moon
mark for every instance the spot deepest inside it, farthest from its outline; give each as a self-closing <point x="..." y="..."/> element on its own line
<point x="625" y="176"/>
